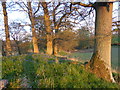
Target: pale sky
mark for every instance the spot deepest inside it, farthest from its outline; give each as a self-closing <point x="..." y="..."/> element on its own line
<point x="22" y="16"/>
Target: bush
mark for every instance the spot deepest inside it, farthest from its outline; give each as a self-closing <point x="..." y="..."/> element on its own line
<point x="34" y="71"/>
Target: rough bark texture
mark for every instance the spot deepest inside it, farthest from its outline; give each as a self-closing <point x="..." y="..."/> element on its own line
<point x="48" y="29"/>
<point x="100" y="63"/>
<point x="34" y="36"/>
<point x="8" y="42"/>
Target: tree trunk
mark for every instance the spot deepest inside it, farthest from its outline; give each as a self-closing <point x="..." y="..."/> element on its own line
<point x="0" y="48"/>
<point x="8" y="42"/>
<point x="55" y="45"/>
<point x="100" y="63"/>
<point x="18" y="48"/>
<point x="34" y="36"/>
<point x="48" y="29"/>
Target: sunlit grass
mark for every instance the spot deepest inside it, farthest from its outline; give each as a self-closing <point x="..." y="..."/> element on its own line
<point x="86" y="56"/>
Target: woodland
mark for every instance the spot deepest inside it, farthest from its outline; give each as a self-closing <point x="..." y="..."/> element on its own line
<point x="44" y="44"/>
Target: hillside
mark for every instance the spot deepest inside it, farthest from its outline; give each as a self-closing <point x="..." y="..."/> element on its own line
<point x="41" y="71"/>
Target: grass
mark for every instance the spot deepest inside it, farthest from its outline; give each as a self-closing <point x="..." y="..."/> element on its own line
<point x="115" y="57"/>
<point x="87" y="56"/>
<point x="82" y="56"/>
<point x="35" y="71"/>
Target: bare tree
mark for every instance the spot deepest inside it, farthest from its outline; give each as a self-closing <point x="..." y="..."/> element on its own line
<point x="18" y="33"/>
<point x="64" y="17"/>
<point x="29" y="10"/>
<point x="8" y="42"/>
<point x="48" y="28"/>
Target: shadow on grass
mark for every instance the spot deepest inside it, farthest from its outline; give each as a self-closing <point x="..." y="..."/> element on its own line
<point x="30" y="71"/>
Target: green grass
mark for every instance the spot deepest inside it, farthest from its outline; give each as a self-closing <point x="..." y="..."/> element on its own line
<point x="81" y="56"/>
<point x="63" y="53"/>
<point x="87" y="56"/>
<point x="115" y="57"/>
<point x="35" y="71"/>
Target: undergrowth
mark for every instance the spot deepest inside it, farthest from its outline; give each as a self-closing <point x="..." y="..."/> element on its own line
<point x="35" y="71"/>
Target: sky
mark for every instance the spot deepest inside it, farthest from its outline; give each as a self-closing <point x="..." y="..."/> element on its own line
<point x="22" y="16"/>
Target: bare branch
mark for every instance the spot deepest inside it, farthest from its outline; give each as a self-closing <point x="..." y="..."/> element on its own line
<point x="37" y="8"/>
<point x="56" y="7"/>
<point x="21" y="7"/>
<point x="82" y="4"/>
<point x="63" y="17"/>
<point x="53" y="14"/>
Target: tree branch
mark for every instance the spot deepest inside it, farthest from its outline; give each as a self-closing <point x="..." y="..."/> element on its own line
<point x="82" y="4"/>
<point x="37" y="8"/>
<point x="21" y="7"/>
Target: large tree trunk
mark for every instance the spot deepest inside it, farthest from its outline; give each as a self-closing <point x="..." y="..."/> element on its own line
<point x="48" y="29"/>
<point x="100" y="63"/>
<point x="8" y="42"/>
<point x="34" y="36"/>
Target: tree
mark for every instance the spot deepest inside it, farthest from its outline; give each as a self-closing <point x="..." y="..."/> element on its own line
<point x="55" y="18"/>
<point x="85" y="38"/>
<point x="14" y="34"/>
<point x="100" y="63"/>
<point x="32" y="19"/>
<point x="31" y="15"/>
<point x="62" y="21"/>
<point x="101" y="59"/>
<point x="8" y="42"/>
<point x="18" y="33"/>
<point x="57" y="21"/>
<point x="1" y="48"/>
<point x="67" y="40"/>
<point x="48" y="28"/>
<point x="41" y="32"/>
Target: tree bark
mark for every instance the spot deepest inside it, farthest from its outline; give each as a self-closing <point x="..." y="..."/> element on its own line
<point x="48" y="29"/>
<point x="100" y="63"/>
<point x="55" y="42"/>
<point x="18" y="48"/>
<point x="34" y="36"/>
<point x="8" y="42"/>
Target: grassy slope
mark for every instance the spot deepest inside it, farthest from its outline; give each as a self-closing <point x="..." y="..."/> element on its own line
<point x="36" y="71"/>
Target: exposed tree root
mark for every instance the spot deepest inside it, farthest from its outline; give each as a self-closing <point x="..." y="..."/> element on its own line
<point x="98" y="67"/>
